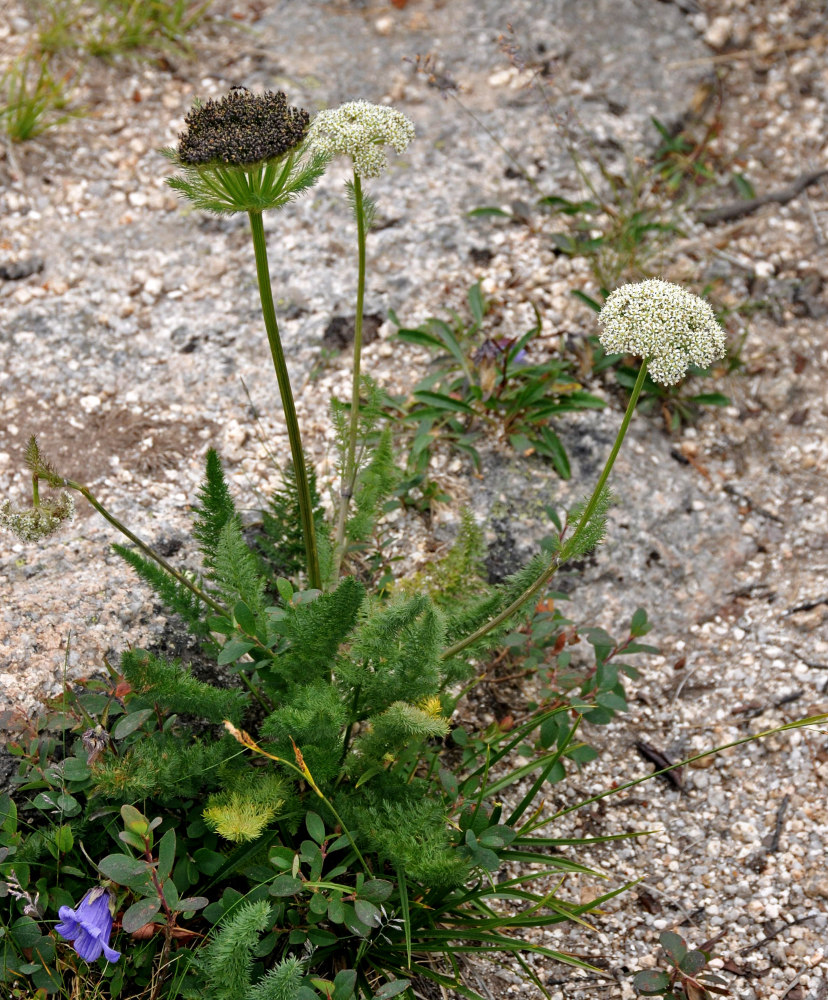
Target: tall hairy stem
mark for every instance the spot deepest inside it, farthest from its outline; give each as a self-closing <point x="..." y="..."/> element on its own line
<point x="349" y="472"/>
<point x="280" y="365"/>
<point x="560" y="557"/>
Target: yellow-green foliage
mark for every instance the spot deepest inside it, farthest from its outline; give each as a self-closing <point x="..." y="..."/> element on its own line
<point x="242" y="812"/>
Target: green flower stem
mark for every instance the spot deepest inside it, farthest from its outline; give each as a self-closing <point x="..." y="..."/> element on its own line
<point x="622" y="431"/>
<point x="99" y="507"/>
<point x="279" y="363"/>
<point x="560" y="557"/>
<point x="349" y="472"/>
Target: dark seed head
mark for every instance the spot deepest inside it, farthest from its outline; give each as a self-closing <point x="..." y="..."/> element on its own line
<point x="242" y="129"/>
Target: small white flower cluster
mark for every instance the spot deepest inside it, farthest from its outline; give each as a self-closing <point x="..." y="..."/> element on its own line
<point x="362" y="131"/>
<point x="664" y="323"/>
<point x="35" y="523"/>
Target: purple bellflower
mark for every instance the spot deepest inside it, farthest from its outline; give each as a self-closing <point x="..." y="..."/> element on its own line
<point x="89" y="926"/>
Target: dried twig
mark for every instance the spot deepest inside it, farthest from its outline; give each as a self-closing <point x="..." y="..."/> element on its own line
<point x="776" y="933"/>
<point x="737" y="209"/>
<point x="773" y="846"/>
<point x="661" y="761"/>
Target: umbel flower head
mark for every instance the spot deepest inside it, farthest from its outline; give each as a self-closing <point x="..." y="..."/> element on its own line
<point x="243" y="153"/>
<point x="362" y="131"/>
<point x="34" y="523"/>
<point x="664" y="323"/>
<point x="89" y="925"/>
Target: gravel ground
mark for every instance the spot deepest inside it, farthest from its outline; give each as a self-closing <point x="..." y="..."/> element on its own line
<point x="124" y="354"/>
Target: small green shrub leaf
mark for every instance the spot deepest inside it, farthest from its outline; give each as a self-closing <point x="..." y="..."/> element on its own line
<point x="64" y="841"/>
<point x="285" y="885"/>
<point x="639" y="623"/>
<point x="124" y="870"/>
<point x="651" y="982"/>
<point x="281" y="858"/>
<point x="189" y="903"/>
<point x="473" y="214"/>
<point x="25" y="932"/>
<point x="318" y="903"/>
<point x="336" y="911"/>
<point x="245" y="617"/>
<point x="68" y="804"/>
<point x="129" y="723"/>
<point x="166" y="854"/>
<point x="582" y="754"/>
<point x="376" y="890"/>
<point x="392" y="989"/>
<point x="208" y="862"/>
<point x="367" y="913"/>
<point x="344" y="984"/>
<point x="693" y="962"/>
<point x="712" y="399"/>
<point x="140" y="913"/>
<point x="316" y="828"/>
<point x="221" y="625"/>
<point x="233" y="650"/>
<point x="614" y="702"/>
<point x="135" y="821"/>
<point x="354" y="924"/>
<point x="75" y="769"/>
<point x="674" y="945"/>
<point x="285" y="589"/>
<point x="497" y="836"/>
<point x="128" y="837"/>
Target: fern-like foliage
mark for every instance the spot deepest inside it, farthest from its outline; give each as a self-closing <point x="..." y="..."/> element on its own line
<point x="412" y="834"/>
<point x="462" y="569"/>
<point x="394" y="653"/>
<point x="400" y="725"/>
<point x="282" y="983"/>
<point x="315" y="630"/>
<point x="175" y="690"/>
<point x="372" y="400"/>
<point x="214" y="509"/>
<point x="375" y="485"/>
<point x="376" y="474"/>
<point x="314" y="719"/>
<point x="281" y="543"/>
<point x="227" y="961"/>
<point x="236" y="570"/>
<point x="163" y="767"/>
<point x="173" y="594"/>
<point x="593" y="531"/>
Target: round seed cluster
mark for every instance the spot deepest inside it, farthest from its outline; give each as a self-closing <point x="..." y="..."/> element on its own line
<point x="242" y="129"/>
<point x="35" y="523"/>
<point x="664" y="323"/>
<point x="362" y="131"/>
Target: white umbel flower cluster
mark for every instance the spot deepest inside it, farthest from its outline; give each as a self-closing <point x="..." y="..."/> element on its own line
<point x="362" y="131"/>
<point x="35" y="523"/>
<point x="664" y="323"/>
